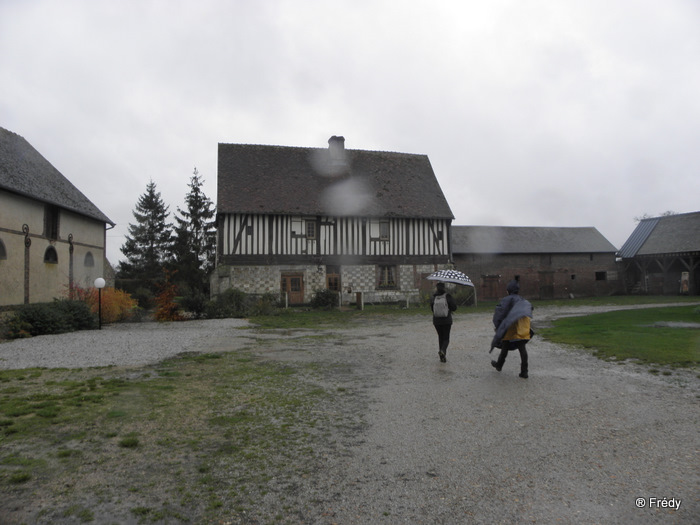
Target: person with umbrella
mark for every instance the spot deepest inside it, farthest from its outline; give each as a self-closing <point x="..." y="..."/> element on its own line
<point x="442" y="304"/>
<point x="511" y="321"/>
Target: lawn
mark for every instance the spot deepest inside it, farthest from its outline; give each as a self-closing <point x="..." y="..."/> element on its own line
<point x="644" y="335"/>
<point x="163" y="443"/>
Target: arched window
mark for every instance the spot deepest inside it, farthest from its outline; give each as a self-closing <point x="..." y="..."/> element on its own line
<point x="3" y="251"/>
<point x="89" y="260"/>
<point x="50" y="255"/>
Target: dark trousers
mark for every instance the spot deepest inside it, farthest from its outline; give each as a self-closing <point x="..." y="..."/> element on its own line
<point x="443" y="331"/>
<point x="512" y="345"/>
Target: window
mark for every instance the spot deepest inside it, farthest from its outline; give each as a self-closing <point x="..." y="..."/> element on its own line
<point x="387" y="277"/>
<point x="51" y="222"/>
<point x="50" y="255"/>
<point x="3" y="251"/>
<point x="310" y="229"/>
<point x="89" y="260"/>
<point x="333" y="278"/>
<point x="333" y="282"/>
<point x="384" y="230"/>
<point x="601" y="276"/>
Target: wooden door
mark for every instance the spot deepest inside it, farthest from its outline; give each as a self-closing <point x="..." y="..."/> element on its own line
<point x="546" y="285"/>
<point x="293" y="286"/>
<point x="491" y="287"/>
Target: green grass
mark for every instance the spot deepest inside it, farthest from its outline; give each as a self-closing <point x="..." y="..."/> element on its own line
<point x="188" y="426"/>
<point x="304" y="318"/>
<point x="634" y="334"/>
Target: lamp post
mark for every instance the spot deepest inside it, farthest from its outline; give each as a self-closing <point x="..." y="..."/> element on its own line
<point x="99" y="284"/>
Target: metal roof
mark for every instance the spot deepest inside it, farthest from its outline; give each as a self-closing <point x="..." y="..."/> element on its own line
<point x="528" y="239"/>
<point x="669" y="234"/>
<point x="638" y="238"/>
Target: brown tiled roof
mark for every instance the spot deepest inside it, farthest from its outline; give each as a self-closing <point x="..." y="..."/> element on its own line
<point x="528" y="239"/>
<point x="25" y="171"/>
<point x="306" y="181"/>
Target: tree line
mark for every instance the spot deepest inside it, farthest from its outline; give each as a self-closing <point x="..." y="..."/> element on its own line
<point x="180" y="254"/>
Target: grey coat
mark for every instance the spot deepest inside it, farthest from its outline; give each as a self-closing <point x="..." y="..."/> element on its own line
<point x="508" y="311"/>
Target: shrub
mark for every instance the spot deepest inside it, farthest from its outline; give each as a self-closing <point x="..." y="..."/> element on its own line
<point x="231" y="303"/>
<point x="267" y="304"/>
<point x="145" y="298"/>
<point x="166" y="307"/>
<point x="117" y="305"/>
<point x="193" y="300"/>
<point x="324" y="299"/>
<point x="57" y="317"/>
<point x="76" y="314"/>
<point x="235" y="303"/>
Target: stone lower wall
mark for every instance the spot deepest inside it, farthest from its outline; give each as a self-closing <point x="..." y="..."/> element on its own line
<point x="354" y="279"/>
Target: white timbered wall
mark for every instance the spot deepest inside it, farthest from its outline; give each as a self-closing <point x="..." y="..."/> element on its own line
<point x="248" y="234"/>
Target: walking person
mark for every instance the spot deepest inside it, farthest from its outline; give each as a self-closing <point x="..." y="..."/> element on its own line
<point x="511" y="321"/>
<point x="442" y="304"/>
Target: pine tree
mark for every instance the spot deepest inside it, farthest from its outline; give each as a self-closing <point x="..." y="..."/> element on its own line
<point x="148" y="244"/>
<point x="194" y="246"/>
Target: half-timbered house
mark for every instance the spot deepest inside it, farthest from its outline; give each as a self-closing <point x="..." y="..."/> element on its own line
<point x="296" y="220"/>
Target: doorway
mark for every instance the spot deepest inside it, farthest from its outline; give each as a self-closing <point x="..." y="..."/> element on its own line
<point x="293" y="286"/>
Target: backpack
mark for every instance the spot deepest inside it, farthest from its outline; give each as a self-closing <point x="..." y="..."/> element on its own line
<point x="440" y="307"/>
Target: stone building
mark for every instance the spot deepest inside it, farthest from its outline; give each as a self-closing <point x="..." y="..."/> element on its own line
<point x="51" y="236"/>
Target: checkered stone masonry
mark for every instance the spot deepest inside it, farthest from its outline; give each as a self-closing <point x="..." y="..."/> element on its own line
<point x="359" y="278"/>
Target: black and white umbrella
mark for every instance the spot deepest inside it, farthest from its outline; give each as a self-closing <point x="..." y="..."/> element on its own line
<point x="450" y="276"/>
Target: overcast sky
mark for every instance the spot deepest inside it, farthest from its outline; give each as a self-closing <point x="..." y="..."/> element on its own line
<point x="533" y="113"/>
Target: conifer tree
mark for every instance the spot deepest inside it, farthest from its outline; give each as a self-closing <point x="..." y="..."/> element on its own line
<point x="194" y="243"/>
<point x="147" y="246"/>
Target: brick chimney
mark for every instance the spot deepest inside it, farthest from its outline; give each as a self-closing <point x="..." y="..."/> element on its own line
<point x="338" y="159"/>
<point x="336" y="145"/>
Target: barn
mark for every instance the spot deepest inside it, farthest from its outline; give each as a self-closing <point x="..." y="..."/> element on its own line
<point x="294" y="220"/>
<point x="549" y="262"/>
<point x="662" y="256"/>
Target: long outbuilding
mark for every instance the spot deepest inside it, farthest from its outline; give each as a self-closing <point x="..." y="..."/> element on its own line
<point x="549" y="262"/>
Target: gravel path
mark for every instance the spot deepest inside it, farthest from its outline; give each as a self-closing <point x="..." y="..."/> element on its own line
<point x="578" y="442"/>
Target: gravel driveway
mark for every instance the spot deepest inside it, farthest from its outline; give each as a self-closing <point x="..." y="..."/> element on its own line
<point x="580" y="441"/>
